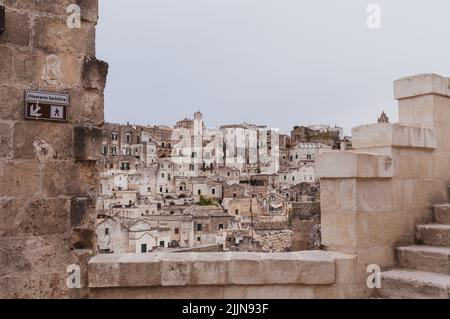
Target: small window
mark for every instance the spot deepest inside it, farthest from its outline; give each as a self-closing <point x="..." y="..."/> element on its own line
<point x="213" y="191"/>
<point x="106" y="231"/>
<point x="199" y="191"/>
<point x="161" y="243"/>
<point x="199" y="227"/>
<point x="236" y="211"/>
<point x="220" y="226"/>
<point x="176" y="231"/>
<point x="143" y="248"/>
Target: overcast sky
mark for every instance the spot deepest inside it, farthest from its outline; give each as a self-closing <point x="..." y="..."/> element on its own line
<point x="275" y="62"/>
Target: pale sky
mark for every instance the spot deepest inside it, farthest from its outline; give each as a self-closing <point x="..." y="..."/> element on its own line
<point x="275" y="62"/>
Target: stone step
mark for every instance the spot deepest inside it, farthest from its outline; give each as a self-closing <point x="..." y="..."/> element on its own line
<point x="425" y="258"/>
<point x="433" y="235"/>
<point x="414" y="284"/>
<point x="442" y="214"/>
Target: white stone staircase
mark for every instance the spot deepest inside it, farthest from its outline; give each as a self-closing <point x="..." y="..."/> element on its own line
<point x="424" y="269"/>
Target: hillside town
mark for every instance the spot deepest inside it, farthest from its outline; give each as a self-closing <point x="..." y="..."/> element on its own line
<point x="240" y="187"/>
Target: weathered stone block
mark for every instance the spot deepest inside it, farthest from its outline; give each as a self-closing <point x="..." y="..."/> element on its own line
<point x="89" y="179"/>
<point x="354" y="165"/>
<point x="176" y="269"/>
<point x="36" y="217"/>
<point x="246" y="268"/>
<point x="82" y="211"/>
<point x="42" y="141"/>
<point x="86" y="107"/>
<point x="417" y="111"/>
<point x="420" y="85"/>
<point x="104" y="271"/>
<point x="19" y="178"/>
<point x="25" y="286"/>
<point x="83" y="238"/>
<point x="61" y="178"/>
<point x="88" y="142"/>
<point x="347" y="231"/>
<point x="392" y="135"/>
<point x="211" y="269"/>
<point x="140" y="270"/>
<point x="6" y="146"/>
<point x="89" y="10"/>
<point x="53" y="7"/>
<point x="53" y="35"/>
<point x="11" y="103"/>
<point x="94" y="74"/>
<point x="17" y="29"/>
<point x="6" y="70"/>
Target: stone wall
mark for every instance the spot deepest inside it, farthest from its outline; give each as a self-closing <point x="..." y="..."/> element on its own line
<point x="372" y="197"/>
<point x="308" y="274"/>
<point x="48" y="173"/>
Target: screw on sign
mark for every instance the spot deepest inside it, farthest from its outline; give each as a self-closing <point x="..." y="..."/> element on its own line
<point x="2" y="19"/>
<point x="46" y="106"/>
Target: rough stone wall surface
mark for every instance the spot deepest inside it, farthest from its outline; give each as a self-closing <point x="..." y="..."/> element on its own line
<point x="48" y="171"/>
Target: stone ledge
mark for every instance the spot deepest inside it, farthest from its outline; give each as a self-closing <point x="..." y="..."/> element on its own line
<point x="392" y="135"/>
<point x="194" y="269"/>
<point x="351" y="164"/>
<point x="421" y="84"/>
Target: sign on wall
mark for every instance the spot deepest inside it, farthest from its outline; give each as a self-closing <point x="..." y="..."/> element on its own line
<point x="46" y="106"/>
<point x="2" y="19"/>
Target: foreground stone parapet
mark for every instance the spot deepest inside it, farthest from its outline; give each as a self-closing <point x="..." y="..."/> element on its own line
<point x="392" y="135"/>
<point x="354" y="165"/>
<point x="225" y="275"/>
<point x="193" y="269"/>
<point x="421" y="84"/>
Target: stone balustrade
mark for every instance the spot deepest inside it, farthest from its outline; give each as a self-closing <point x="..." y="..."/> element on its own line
<point x="306" y="274"/>
<point x="373" y="196"/>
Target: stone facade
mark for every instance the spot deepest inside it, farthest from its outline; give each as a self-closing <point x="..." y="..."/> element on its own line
<point x="373" y="197"/>
<point x="48" y="172"/>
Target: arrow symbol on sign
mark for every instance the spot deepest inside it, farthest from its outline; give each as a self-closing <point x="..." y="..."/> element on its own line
<point x="34" y="110"/>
